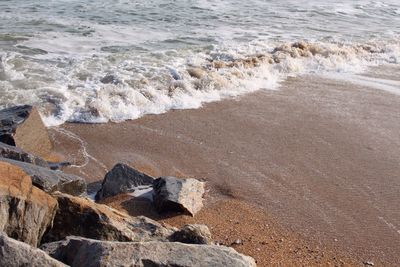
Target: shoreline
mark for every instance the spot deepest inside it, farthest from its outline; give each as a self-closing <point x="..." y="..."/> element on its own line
<point x="308" y="154"/>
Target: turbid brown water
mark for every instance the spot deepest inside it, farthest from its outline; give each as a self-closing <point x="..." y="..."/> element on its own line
<point x="321" y="156"/>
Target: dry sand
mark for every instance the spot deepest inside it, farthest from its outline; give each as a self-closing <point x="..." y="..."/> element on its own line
<point x="317" y="158"/>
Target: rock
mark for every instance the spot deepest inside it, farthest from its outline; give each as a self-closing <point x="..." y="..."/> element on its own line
<point x="15" y="254"/>
<point x="76" y="251"/>
<point x="22" y="126"/>
<point x="121" y="179"/>
<point x="369" y="263"/>
<point x="110" y="79"/>
<point x="15" y="153"/>
<point x="173" y="194"/>
<point x="237" y="242"/>
<point x="25" y="211"/>
<point x="197" y="72"/>
<point x="174" y="73"/>
<point x="219" y="64"/>
<point x="58" y="165"/>
<point x="83" y="217"/>
<point x="51" y="181"/>
<point x="192" y="234"/>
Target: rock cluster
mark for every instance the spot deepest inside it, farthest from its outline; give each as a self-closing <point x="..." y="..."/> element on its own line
<point x="47" y="208"/>
<point x="170" y="194"/>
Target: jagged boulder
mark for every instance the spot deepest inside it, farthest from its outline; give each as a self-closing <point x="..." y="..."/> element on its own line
<point x="25" y="211"/>
<point x="22" y="126"/>
<point x="178" y="195"/>
<point x="192" y="234"/>
<point x="16" y="254"/>
<point x="15" y="153"/>
<point x="83" y="217"/>
<point x="77" y="251"/>
<point x="49" y="180"/>
<point x="120" y="179"/>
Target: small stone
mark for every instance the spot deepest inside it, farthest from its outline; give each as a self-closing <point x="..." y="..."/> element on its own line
<point x="192" y="234"/>
<point x="110" y="79"/>
<point x="369" y="263"/>
<point x="237" y="242"/>
<point x="197" y="72"/>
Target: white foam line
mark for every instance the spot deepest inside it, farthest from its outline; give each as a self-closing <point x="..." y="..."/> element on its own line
<point x="390" y="225"/>
<point x="83" y="149"/>
<point x="381" y="84"/>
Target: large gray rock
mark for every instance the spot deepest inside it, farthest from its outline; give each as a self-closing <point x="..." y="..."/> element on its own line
<point x="22" y="126"/>
<point x="178" y="195"/>
<point x="15" y="153"/>
<point x="79" y="252"/>
<point x="83" y="217"/>
<point x="121" y="179"/>
<point x="26" y="212"/>
<point x="18" y="254"/>
<point x="51" y="181"/>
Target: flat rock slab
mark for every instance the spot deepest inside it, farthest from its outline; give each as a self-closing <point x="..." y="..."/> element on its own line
<point x="15" y="153"/>
<point x="83" y="217"/>
<point x="26" y="212"/>
<point x="49" y="180"/>
<point x="22" y="126"/>
<point x="77" y="252"/>
<point x="14" y="253"/>
<point x="178" y="195"/>
<point x="121" y="179"/>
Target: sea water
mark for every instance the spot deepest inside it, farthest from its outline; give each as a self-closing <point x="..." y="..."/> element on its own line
<point x="114" y="60"/>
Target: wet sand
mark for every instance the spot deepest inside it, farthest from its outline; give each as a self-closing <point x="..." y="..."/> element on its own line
<point x="320" y="157"/>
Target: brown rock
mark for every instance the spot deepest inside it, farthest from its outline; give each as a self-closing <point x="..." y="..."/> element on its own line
<point x="22" y="126"/>
<point x="83" y="217"/>
<point x="219" y="64"/>
<point x="49" y="180"/>
<point x="25" y="211"/>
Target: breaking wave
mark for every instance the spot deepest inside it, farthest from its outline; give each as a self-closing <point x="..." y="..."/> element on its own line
<point x="117" y="87"/>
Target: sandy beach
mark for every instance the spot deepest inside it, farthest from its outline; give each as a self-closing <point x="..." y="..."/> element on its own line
<point x="318" y="158"/>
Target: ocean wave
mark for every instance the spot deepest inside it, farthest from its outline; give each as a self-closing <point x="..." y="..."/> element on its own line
<point x="122" y="86"/>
